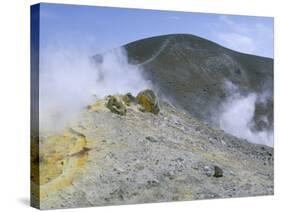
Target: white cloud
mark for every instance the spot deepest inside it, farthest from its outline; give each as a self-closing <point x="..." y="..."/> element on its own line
<point x="264" y="30"/>
<point x="238" y="42"/>
<point x="229" y="23"/>
<point x="247" y="37"/>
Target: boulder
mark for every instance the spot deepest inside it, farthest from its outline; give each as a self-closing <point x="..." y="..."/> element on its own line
<point x="116" y="106"/>
<point x="148" y="100"/>
<point x="128" y="99"/>
<point x="218" y="172"/>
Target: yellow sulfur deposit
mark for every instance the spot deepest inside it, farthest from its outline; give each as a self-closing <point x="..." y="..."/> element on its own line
<point x="60" y="158"/>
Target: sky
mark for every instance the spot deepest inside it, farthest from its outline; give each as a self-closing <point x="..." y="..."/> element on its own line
<point x="105" y="28"/>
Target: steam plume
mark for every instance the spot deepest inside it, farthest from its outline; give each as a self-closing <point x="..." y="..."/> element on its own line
<point x="71" y="79"/>
<point x="236" y="115"/>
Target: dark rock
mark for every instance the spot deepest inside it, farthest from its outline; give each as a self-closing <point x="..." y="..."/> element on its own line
<point x="151" y="139"/>
<point x="218" y="172"/>
<point x="118" y="194"/>
<point x="237" y="71"/>
<point x="152" y="183"/>
<point x="179" y="159"/>
<point x="269" y="153"/>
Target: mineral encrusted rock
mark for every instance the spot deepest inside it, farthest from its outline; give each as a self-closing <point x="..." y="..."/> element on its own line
<point x="107" y="159"/>
<point x="129" y="99"/>
<point x="116" y="106"/>
<point x="148" y="100"/>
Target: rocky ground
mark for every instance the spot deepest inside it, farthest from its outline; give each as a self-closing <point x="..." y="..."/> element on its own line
<point x="126" y="150"/>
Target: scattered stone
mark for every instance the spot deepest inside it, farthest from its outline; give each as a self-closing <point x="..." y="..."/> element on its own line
<point x="148" y="100"/>
<point x="218" y="172"/>
<point x="116" y="106"/>
<point x="179" y="159"/>
<point x="170" y="174"/>
<point x="118" y="194"/>
<point x="195" y="167"/>
<point x="128" y="99"/>
<point x="152" y="183"/>
<point x="119" y="170"/>
<point x="207" y="171"/>
<point x="151" y="139"/>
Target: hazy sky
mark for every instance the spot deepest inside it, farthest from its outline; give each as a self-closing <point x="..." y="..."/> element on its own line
<point x="102" y="28"/>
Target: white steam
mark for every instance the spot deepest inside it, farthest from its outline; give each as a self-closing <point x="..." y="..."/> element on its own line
<point x="237" y="114"/>
<point x="70" y="79"/>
